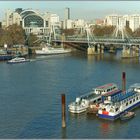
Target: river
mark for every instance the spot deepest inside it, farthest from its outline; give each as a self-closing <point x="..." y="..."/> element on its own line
<point x="30" y="96"/>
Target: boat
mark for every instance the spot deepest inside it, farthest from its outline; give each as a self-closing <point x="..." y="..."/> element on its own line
<point x="115" y="104"/>
<point x="93" y="97"/>
<point x="18" y="60"/>
<point x="127" y="116"/>
<point x="4" y="55"/>
<point x="49" y="50"/>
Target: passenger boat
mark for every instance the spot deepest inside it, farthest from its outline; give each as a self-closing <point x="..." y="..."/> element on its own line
<point x="49" y="50"/>
<point x="18" y="60"/>
<point x="117" y="103"/>
<point x="127" y="116"/>
<point x="83" y="102"/>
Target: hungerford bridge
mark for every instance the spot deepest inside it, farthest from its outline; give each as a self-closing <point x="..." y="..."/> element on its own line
<point x="95" y="45"/>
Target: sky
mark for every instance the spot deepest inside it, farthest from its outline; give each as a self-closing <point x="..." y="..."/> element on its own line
<point x="87" y="10"/>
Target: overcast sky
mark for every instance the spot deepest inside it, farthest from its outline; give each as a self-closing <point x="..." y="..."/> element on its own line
<point x="79" y="9"/>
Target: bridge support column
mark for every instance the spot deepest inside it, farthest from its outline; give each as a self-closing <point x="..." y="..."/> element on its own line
<point x="126" y="52"/>
<point x="102" y="49"/>
<point x="91" y="50"/>
<point x="98" y="49"/>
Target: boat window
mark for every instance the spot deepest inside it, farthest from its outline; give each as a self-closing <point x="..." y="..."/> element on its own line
<point x="130" y="101"/>
<point x="133" y="100"/>
<point x="117" y="109"/>
<point x="127" y="104"/>
<point x="94" y="101"/>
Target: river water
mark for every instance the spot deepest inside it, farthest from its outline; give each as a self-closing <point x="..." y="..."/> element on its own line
<point x="30" y="96"/>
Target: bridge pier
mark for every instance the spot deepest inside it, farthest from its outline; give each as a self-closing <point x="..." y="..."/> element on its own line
<point x="125" y="52"/>
<point x="131" y="52"/>
<point x="102" y="49"/>
<point x="93" y="50"/>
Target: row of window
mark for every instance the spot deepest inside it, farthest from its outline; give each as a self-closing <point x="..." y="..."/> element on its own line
<point x="132" y="100"/>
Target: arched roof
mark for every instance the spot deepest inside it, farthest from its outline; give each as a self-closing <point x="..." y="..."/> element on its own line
<point x="27" y="12"/>
<point x="33" y="18"/>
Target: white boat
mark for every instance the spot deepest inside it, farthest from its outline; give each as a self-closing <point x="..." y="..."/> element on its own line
<point x="116" y="104"/>
<point x="48" y="50"/>
<point x="82" y="103"/>
<point x="18" y="60"/>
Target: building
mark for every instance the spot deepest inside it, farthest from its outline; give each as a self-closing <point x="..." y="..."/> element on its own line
<point x="67" y="13"/>
<point x="31" y="20"/>
<point x="112" y="20"/>
<point x="134" y="22"/>
<point x="99" y="21"/>
<point x="131" y="21"/>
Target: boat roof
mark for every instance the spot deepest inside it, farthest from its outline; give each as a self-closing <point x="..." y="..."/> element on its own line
<point x="106" y="86"/>
<point x="126" y="95"/>
<point x="121" y="95"/>
<point x="87" y="95"/>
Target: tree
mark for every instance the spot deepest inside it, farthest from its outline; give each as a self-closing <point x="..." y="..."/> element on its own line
<point x="102" y="30"/>
<point x="32" y="40"/>
<point x="136" y="33"/>
<point x="17" y="34"/>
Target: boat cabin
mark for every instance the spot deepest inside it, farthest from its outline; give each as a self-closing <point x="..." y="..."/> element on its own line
<point x="117" y="96"/>
<point x="106" y="88"/>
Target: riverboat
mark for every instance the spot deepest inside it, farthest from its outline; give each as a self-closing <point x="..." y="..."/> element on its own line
<point x="18" y="60"/>
<point x="49" y="50"/>
<point x="115" y="104"/>
<point x="83" y="102"/>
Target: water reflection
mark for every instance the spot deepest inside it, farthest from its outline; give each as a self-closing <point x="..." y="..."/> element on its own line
<point x="64" y="133"/>
<point x="131" y="60"/>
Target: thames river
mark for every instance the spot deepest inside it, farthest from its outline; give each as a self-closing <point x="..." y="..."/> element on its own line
<point x="30" y="96"/>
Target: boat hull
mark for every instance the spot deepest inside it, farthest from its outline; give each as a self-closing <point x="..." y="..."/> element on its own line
<point x="5" y="57"/>
<point x="38" y="52"/>
<point x="18" y="62"/>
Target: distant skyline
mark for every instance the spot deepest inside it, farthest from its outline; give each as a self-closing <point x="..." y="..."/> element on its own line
<point x="87" y="10"/>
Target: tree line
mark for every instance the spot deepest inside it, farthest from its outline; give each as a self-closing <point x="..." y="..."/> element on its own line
<point x="15" y="35"/>
<point x="102" y="31"/>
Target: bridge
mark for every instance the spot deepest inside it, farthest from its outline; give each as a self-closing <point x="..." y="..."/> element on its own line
<point x="95" y="45"/>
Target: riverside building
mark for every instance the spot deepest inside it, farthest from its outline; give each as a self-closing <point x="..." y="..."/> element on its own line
<point x="31" y="20"/>
<point x="132" y="21"/>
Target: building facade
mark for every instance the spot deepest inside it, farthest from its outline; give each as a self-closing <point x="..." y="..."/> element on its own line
<point x="31" y="20"/>
<point x="131" y="21"/>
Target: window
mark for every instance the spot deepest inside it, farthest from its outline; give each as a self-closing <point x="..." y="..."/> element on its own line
<point x="133" y="100"/>
<point x="127" y="104"/>
<point x="130" y="101"/>
<point x="117" y="109"/>
<point x="137" y="98"/>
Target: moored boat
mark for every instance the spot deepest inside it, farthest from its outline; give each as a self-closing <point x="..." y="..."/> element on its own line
<point x="49" y="50"/>
<point x="115" y="104"/>
<point x="127" y="116"/>
<point x="94" y="97"/>
<point x="18" y="60"/>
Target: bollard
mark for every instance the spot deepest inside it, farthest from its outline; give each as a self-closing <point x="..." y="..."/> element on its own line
<point x="123" y="82"/>
<point x="63" y="111"/>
